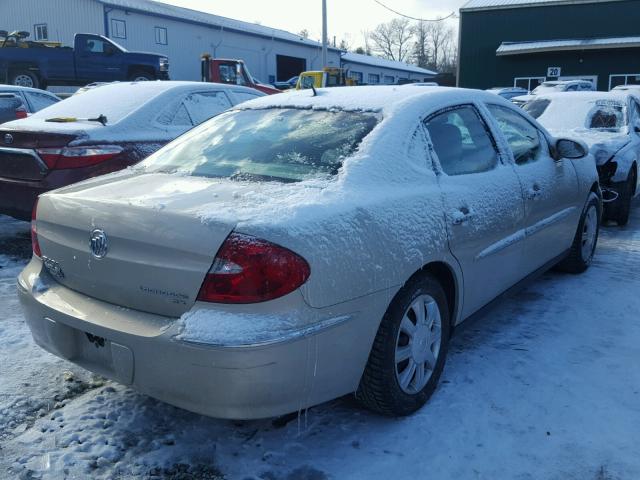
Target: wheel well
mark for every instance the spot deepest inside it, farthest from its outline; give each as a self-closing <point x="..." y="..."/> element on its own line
<point x="595" y="188"/>
<point x="141" y="69"/>
<point x="445" y="276"/>
<point x="16" y="67"/>
<point x="634" y="169"/>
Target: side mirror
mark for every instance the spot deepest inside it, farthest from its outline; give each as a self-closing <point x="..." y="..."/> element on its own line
<point x="571" y="149"/>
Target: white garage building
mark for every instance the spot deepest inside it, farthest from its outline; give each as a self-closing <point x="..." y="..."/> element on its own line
<point x="184" y="35"/>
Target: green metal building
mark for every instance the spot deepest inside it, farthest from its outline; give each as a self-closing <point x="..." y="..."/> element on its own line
<point x="525" y="42"/>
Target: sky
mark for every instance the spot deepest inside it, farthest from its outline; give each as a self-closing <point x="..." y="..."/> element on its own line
<point x="347" y="19"/>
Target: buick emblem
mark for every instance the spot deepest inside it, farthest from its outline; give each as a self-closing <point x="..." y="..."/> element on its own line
<point x="8" y="139"/>
<point x="99" y="243"/>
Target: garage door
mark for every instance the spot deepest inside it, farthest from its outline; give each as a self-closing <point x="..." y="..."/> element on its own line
<point x="287" y="67"/>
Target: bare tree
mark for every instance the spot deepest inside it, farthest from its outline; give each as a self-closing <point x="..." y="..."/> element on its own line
<point x="440" y="44"/>
<point x="392" y="39"/>
<point x="304" y="33"/>
<point x="421" y="45"/>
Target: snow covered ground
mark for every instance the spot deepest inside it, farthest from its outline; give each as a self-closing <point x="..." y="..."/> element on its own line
<point x="545" y="386"/>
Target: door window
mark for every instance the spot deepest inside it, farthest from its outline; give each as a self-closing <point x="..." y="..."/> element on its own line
<point x="461" y="141"/>
<point x="524" y="139"/>
<point x="229" y="74"/>
<point x="39" y="101"/>
<point x="95" y="45"/>
<point x="202" y="106"/>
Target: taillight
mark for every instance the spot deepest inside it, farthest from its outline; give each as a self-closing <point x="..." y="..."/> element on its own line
<point x="21" y="113"/>
<point x="251" y="270"/>
<point x="77" y="157"/>
<point x="34" y="231"/>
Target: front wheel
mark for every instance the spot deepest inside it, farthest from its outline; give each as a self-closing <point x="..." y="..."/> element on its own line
<point x="586" y="238"/>
<point x="623" y="207"/>
<point x="409" y="350"/>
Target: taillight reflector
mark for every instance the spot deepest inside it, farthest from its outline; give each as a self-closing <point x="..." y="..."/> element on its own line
<point x="77" y="157"/>
<point x="251" y="270"/>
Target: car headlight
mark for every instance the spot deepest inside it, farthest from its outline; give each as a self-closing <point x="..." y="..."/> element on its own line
<point x="164" y="64"/>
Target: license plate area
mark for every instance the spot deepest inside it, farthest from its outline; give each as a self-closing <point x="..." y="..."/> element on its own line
<point x="93" y="352"/>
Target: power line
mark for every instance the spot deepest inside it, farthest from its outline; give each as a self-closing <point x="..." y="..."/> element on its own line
<point x="452" y="14"/>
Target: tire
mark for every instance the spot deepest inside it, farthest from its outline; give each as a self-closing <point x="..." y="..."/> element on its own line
<point x="623" y="207"/>
<point x="586" y="238"/>
<point x="390" y="388"/>
<point x="24" y="78"/>
<point x="141" y="77"/>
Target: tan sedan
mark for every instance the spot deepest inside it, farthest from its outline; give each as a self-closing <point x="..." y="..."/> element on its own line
<point x="306" y="246"/>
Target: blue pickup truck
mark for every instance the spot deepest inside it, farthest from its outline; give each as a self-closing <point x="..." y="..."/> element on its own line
<point x="93" y="58"/>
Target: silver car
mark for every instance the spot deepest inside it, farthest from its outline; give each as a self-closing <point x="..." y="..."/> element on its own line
<point x="305" y="246"/>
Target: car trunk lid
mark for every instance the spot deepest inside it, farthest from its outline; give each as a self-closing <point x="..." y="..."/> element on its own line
<point x="157" y="250"/>
<point x="19" y="158"/>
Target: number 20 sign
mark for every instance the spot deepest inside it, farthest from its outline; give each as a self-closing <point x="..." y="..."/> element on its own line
<point x="553" y="72"/>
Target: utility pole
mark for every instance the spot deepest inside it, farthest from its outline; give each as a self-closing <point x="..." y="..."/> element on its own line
<point x="324" y="33"/>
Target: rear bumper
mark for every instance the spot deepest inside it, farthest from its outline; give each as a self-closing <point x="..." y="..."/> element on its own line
<point x="240" y="382"/>
<point x="18" y="196"/>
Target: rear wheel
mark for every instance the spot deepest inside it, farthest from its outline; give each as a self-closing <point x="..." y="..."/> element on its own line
<point x="409" y="350"/>
<point x="24" y="78"/>
<point x="586" y="239"/>
<point x="623" y="207"/>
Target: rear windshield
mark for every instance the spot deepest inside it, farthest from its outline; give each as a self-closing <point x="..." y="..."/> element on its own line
<point x="575" y="113"/>
<point x="266" y="145"/>
<point x="113" y="101"/>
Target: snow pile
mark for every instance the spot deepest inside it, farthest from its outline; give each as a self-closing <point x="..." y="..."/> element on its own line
<point x="224" y="328"/>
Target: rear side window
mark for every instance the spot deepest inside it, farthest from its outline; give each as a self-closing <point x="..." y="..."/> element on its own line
<point x="205" y="105"/>
<point x="39" y="101"/>
<point x="523" y="138"/>
<point x="461" y="141"/>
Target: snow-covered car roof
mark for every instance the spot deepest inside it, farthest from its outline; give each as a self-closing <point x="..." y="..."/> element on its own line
<point x="379" y="98"/>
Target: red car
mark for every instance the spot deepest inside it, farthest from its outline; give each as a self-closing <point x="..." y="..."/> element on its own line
<point x="100" y="131"/>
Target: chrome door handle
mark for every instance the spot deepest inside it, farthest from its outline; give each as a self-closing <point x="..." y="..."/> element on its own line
<point x="461" y="216"/>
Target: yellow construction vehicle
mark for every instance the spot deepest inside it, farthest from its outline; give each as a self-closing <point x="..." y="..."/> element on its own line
<point x="18" y="39"/>
<point x="327" y="77"/>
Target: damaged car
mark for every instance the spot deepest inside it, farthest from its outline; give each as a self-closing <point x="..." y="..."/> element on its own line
<point x="609" y="122"/>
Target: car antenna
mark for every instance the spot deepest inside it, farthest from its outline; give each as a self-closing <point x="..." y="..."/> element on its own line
<point x="314" y="90"/>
